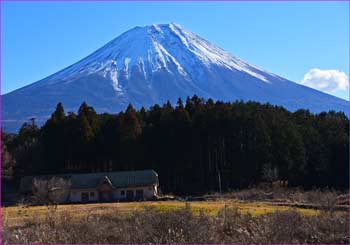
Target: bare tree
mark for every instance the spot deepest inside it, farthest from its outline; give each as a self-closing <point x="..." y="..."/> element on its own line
<point x="8" y="164"/>
<point x="51" y="191"/>
<point x="269" y="173"/>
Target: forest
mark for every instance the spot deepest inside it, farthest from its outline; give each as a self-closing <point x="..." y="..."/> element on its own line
<point x="197" y="146"/>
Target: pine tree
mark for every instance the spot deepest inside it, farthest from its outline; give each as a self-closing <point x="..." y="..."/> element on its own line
<point x="180" y="104"/>
<point x="88" y="123"/>
<point x="53" y="140"/>
<point x="58" y="115"/>
<point x="130" y="125"/>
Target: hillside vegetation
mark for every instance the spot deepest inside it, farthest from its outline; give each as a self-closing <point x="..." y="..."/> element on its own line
<point x="195" y="147"/>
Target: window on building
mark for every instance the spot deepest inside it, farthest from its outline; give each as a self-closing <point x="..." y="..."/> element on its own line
<point x="122" y="192"/>
<point x="85" y="196"/>
<point x="92" y="194"/>
<point x="139" y="194"/>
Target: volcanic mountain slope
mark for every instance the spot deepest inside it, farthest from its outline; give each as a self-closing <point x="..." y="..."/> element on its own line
<point x="153" y="64"/>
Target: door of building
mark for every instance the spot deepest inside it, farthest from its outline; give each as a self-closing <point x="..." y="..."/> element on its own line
<point x="106" y="196"/>
<point x="130" y="195"/>
<point x="139" y="194"/>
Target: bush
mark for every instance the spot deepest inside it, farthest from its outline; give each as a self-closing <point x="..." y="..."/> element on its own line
<point x="51" y="191"/>
<point x="182" y="226"/>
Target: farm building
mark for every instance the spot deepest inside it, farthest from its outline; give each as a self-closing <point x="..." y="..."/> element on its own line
<point x="105" y="186"/>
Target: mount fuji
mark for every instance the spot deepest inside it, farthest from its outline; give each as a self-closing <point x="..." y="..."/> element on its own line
<point x="153" y="64"/>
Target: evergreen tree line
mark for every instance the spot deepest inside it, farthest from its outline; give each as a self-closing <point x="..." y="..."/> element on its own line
<point x="195" y="147"/>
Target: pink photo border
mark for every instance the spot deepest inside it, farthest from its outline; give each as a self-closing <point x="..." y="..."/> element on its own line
<point x="198" y="1"/>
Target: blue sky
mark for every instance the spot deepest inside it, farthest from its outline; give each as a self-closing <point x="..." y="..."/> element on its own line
<point x="286" y="38"/>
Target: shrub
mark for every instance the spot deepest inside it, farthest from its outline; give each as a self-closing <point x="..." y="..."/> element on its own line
<point x="182" y="226"/>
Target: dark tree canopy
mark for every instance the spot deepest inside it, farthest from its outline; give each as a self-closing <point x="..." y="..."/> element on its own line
<point x="196" y="147"/>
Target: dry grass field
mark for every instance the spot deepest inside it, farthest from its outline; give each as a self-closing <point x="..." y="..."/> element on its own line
<point x="248" y="216"/>
<point x="172" y="222"/>
<point x="17" y="215"/>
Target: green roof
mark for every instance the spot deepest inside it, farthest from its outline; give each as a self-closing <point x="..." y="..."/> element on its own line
<point x="92" y="180"/>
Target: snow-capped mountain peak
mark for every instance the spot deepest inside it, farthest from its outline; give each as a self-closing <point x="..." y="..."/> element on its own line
<point x="153" y="64"/>
<point x="156" y="47"/>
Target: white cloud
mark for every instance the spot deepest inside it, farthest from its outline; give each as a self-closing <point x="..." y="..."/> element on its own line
<point x="329" y="81"/>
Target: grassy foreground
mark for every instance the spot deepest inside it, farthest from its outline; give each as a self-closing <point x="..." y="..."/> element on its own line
<point x="16" y="216"/>
<point x="173" y="222"/>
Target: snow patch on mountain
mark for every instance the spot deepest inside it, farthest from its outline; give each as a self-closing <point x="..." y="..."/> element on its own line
<point x="151" y="49"/>
<point x="152" y="64"/>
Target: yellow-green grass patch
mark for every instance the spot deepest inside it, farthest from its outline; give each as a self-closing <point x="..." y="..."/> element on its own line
<point x="18" y="215"/>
